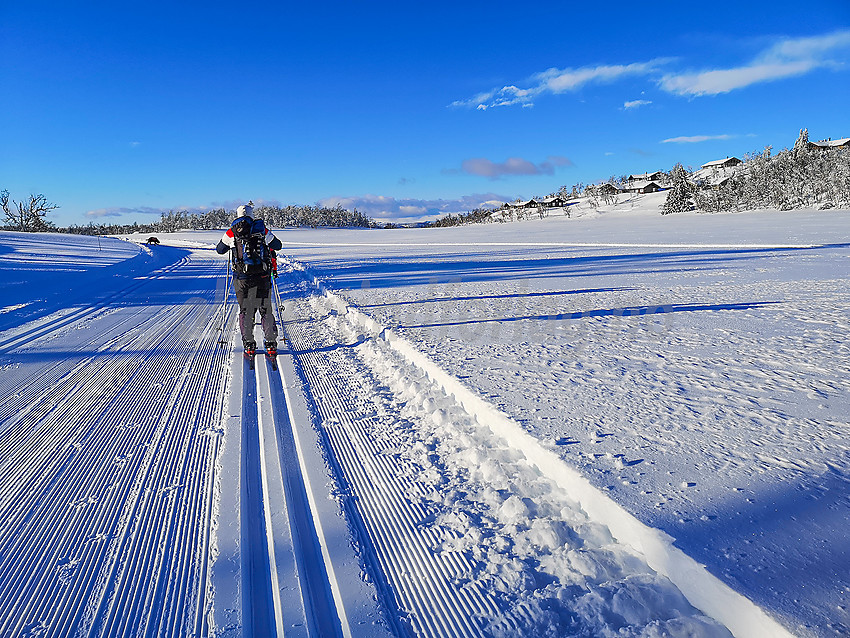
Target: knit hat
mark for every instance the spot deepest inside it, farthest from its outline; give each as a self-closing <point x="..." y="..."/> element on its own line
<point x="245" y="210"/>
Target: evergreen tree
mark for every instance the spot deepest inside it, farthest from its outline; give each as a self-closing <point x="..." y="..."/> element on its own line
<point x="680" y="197"/>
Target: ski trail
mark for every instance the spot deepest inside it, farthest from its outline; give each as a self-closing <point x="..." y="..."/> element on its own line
<point x="280" y="547"/>
<point x="109" y="443"/>
<point x="472" y="530"/>
<point x="322" y="617"/>
<point x="258" y="606"/>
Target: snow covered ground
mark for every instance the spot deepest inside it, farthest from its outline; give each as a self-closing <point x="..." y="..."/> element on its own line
<point x="694" y="367"/>
<point x="483" y="431"/>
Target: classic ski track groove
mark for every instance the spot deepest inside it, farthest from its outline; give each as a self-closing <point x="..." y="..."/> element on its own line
<point x="108" y="467"/>
<point x="260" y="610"/>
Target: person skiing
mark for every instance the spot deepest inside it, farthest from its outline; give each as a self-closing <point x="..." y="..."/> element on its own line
<point x="250" y="244"/>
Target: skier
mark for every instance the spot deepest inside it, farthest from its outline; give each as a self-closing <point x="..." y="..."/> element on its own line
<point x="250" y="244"/>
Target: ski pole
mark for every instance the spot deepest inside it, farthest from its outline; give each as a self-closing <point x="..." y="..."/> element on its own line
<point x="279" y="303"/>
<point x="227" y="275"/>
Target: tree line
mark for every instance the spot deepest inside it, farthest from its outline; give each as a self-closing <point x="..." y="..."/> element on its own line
<point x="274" y="216"/>
<point x="30" y="216"/>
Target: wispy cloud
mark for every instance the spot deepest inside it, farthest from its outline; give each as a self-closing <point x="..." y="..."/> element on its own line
<point x="513" y="166"/>
<point x="784" y="59"/>
<point x="124" y="211"/>
<point x="695" y="139"/>
<point x="555" y="81"/>
<point x="386" y="208"/>
<point x="121" y="211"/>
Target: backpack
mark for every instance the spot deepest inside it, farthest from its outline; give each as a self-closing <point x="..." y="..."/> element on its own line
<point x="251" y="255"/>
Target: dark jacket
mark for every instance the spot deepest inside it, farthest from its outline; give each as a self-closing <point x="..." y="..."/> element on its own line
<point x="228" y="240"/>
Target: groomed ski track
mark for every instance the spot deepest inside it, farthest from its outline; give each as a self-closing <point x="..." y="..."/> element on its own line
<point x="154" y="485"/>
<point x="109" y="437"/>
<point x="149" y="481"/>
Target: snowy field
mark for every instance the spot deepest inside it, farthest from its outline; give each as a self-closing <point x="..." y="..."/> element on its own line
<point x="541" y="428"/>
<point x="694" y="367"/>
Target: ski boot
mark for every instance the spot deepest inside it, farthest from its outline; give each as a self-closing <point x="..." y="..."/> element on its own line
<point x="271" y="353"/>
<point x="250" y="350"/>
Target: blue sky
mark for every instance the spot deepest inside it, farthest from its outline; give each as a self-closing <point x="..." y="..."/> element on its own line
<point x="118" y="111"/>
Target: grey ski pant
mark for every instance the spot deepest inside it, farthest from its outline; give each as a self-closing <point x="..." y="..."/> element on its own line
<point x="255" y="296"/>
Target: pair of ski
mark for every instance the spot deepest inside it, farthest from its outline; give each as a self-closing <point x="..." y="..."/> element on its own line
<point x="251" y="355"/>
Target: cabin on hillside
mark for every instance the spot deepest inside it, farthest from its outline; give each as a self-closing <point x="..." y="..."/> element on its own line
<point x="657" y="176"/>
<point x="715" y="173"/>
<point x="642" y="186"/>
<point x="827" y="144"/>
<point x="729" y="162"/>
<point x="714" y="181"/>
<point x="529" y="203"/>
<point x="609" y="189"/>
<point x="555" y="201"/>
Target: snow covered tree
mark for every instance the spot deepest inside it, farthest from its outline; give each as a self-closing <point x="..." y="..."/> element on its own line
<point x="680" y="197"/>
<point x="29" y="215"/>
<point x="802" y="140"/>
<point x="801" y="177"/>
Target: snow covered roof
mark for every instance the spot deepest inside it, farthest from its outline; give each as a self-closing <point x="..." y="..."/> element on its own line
<point x="832" y="143"/>
<point x="642" y="184"/>
<point x="714" y="174"/>
<point x="722" y="162"/>
<point x="645" y="176"/>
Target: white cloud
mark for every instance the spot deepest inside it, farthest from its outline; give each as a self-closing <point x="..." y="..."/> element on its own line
<point x="556" y="81"/>
<point x="633" y="104"/>
<point x="786" y="58"/>
<point x="410" y="210"/>
<point x="724" y="81"/>
<point x="559" y="81"/>
<point x="513" y="166"/>
<point x="695" y="139"/>
<point x="813" y="47"/>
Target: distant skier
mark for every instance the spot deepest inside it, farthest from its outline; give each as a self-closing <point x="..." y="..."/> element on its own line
<point x="251" y="244"/>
